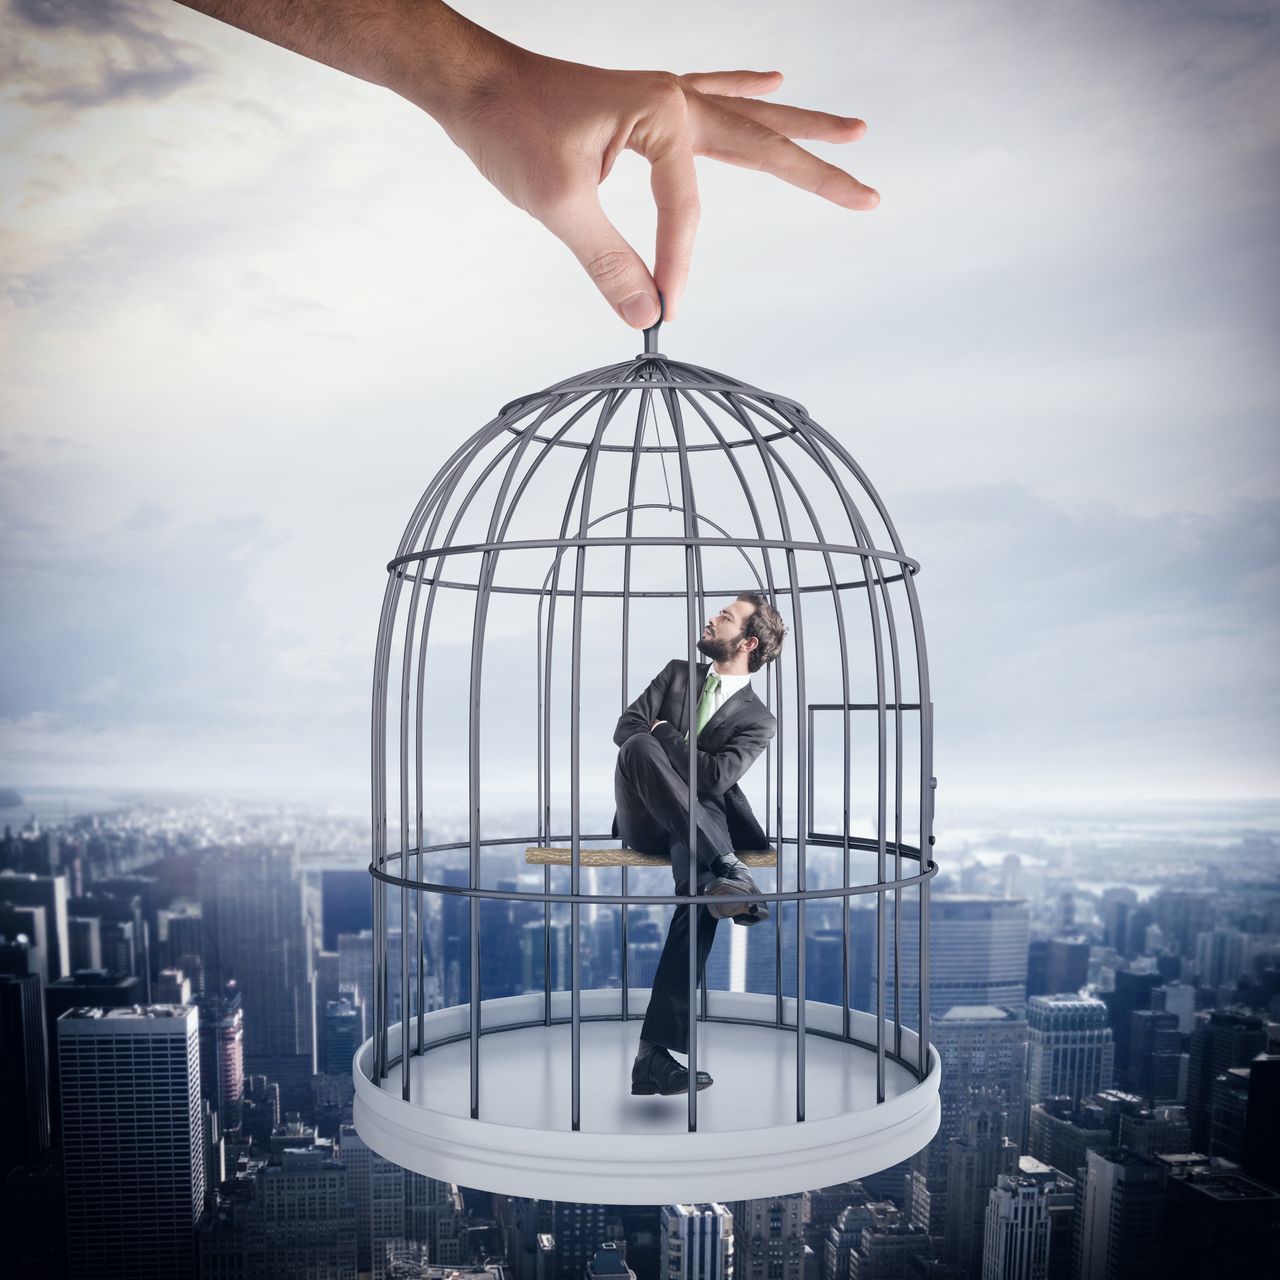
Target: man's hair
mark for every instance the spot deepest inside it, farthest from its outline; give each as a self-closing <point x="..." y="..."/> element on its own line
<point x="768" y="628"/>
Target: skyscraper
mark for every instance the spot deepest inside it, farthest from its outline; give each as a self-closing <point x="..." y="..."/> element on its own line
<point x="981" y="1047"/>
<point x="24" y="1119"/>
<point x="1217" y="1221"/>
<point x="978" y="953"/>
<point x="24" y="889"/>
<point x="976" y="1157"/>
<point x="302" y="1220"/>
<point x="1055" y="965"/>
<point x="697" y="1242"/>
<point x="1070" y="1051"/>
<point x="768" y="1238"/>
<point x="257" y="934"/>
<point x="1133" y="991"/>
<point x="1119" y="1233"/>
<point x="1155" y="1054"/>
<point x="132" y="1140"/>
<point x="1221" y="1039"/>
<point x="609" y="1261"/>
<point x="888" y="1246"/>
<point x="1016" y="1229"/>
<point x="222" y="1052"/>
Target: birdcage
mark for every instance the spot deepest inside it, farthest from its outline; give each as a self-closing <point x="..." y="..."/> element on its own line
<point x="560" y="557"/>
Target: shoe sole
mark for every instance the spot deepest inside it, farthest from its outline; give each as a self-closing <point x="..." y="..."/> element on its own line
<point x="641" y="1090"/>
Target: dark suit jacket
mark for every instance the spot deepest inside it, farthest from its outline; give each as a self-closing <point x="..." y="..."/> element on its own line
<point x="728" y="744"/>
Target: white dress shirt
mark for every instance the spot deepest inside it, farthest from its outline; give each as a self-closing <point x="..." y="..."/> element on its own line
<point x="729" y="685"/>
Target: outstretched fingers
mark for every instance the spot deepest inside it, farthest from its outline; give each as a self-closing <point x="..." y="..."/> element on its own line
<point x="736" y="138"/>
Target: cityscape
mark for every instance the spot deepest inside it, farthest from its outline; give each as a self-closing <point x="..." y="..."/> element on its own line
<point x="184" y="984"/>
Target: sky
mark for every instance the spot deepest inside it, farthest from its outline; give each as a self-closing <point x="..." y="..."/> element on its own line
<point x="250" y="305"/>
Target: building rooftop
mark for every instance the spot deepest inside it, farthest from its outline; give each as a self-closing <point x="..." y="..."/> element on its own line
<point x="130" y="1011"/>
<point x="978" y="1013"/>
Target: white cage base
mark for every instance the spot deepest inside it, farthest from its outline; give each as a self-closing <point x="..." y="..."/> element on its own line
<point x="638" y="1150"/>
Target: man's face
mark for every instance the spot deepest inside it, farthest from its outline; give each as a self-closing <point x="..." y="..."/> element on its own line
<point x="722" y="636"/>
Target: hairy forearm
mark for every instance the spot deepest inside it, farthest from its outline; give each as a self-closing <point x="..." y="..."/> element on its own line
<point x="420" y="49"/>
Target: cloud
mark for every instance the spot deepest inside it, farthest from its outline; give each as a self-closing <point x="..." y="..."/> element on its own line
<point x="260" y="318"/>
<point x="80" y="54"/>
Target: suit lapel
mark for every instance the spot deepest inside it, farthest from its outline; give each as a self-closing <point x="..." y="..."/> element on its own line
<point x="734" y="706"/>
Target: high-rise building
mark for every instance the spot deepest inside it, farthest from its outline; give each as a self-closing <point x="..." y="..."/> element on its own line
<point x="1261" y="1154"/>
<point x="96" y="988"/>
<point x="697" y="1242"/>
<point x="1221" y="1039"/>
<point x="1155" y="1130"/>
<point x="1016" y="1229"/>
<point x="302" y="1221"/>
<point x="171" y="986"/>
<point x="385" y="1205"/>
<point x="768" y="1238"/>
<point x="533" y="952"/>
<point x="1070" y="1049"/>
<point x="257" y="934"/>
<point x="355" y="969"/>
<point x="222" y="1052"/>
<point x="609" y="1261"/>
<point x="1228" y="1109"/>
<point x="133" y="1143"/>
<point x="1220" y="957"/>
<point x="24" y="944"/>
<point x="843" y="1237"/>
<point x="1122" y="1217"/>
<point x="341" y="1038"/>
<point x="1133" y="991"/>
<point x="1177" y="998"/>
<point x="976" y="1157"/>
<point x="978" y="954"/>
<point x="1060" y="1203"/>
<point x="1217" y="1222"/>
<point x="1155" y="1055"/>
<point x="359" y="1160"/>
<point x="888" y="1246"/>
<point x="25" y="889"/>
<point x="580" y="1229"/>
<point x="1060" y="1134"/>
<point x="1182" y="914"/>
<point x="1057" y="965"/>
<point x="981" y="1047"/>
<point x="24" y="1118"/>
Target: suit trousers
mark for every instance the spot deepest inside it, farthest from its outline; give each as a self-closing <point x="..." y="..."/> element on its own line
<point x="653" y="817"/>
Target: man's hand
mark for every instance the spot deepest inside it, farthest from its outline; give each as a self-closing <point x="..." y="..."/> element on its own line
<point x="546" y="132"/>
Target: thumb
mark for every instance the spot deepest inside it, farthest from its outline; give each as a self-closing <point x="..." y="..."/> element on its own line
<point x="614" y="266"/>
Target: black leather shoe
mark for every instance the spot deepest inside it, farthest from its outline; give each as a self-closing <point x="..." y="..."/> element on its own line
<point x="732" y="880"/>
<point x="656" y="1071"/>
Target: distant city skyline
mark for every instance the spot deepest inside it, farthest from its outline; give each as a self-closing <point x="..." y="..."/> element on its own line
<point x="1109" y="1056"/>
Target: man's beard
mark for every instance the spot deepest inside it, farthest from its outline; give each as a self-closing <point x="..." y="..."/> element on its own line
<point x="719" y="650"/>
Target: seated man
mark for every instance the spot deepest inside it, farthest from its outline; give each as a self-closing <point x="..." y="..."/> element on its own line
<point x="652" y="792"/>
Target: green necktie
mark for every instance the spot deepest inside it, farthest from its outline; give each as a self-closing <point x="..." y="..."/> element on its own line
<point x="706" y="704"/>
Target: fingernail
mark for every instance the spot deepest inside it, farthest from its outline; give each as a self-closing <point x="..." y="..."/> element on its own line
<point x="640" y="309"/>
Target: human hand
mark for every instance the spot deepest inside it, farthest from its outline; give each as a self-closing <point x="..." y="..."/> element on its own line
<point x="547" y="132"/>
